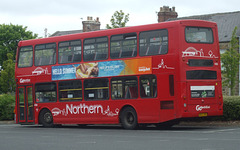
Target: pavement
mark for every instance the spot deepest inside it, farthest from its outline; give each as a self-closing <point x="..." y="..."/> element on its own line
<point x="211" y="123"/>
<point x="113" y="137"/>
<point x="182" y="123"/>
<point x="7" y="122"/>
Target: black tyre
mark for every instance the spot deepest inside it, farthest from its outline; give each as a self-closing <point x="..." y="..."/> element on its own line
<point x="129" y="118"/>
<point x="46" y="118"/>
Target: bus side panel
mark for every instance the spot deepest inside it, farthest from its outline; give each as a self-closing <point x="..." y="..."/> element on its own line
<point x="103" y="112"/>
<point x="168" y="102"/>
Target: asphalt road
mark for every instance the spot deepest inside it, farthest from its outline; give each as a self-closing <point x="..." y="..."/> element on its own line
<point x="17" y="137"/>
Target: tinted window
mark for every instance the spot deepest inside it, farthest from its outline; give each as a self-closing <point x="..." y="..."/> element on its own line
<point x="95" y="49"/>
<point x="201" y="74"/>
<point x="198" y="35"/>
<point x="96" y="89"/>
<point x="153" y="42"/>
<point x="70" y="90"/>
<point x="200" y="63"/>
<point x="148" y="86"/>
<point x="45" y="54"/>
<point x="171" y="85"/>
<point x="25" y="57"/>
<point x="45" y="92"/>
<point x="124" y="45"/>
<point x="124" y="88"/>
<point x="69" y="52"/>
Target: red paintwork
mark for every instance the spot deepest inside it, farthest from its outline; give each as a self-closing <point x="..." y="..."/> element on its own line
<point x="148" y="110"/>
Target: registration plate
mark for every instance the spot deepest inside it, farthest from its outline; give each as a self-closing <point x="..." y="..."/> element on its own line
<point x="203" y="114"/>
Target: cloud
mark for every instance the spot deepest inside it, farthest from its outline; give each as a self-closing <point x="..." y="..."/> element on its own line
<point x="65" y="14"/>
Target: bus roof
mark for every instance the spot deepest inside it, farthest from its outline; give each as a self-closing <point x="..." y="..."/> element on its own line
<point x="109" y="32"/>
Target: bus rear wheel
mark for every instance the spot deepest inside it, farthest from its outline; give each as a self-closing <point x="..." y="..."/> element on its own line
<point x="46" y="118"/>
<point x="129" y="118"/>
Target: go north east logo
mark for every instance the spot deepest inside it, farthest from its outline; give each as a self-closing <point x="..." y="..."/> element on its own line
<point x="200" y="108"/>
<point x="84" y="109"/>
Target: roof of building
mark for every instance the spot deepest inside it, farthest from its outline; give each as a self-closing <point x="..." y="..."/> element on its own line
<point x="226" y="23"/>
<point x="59" y="33"/>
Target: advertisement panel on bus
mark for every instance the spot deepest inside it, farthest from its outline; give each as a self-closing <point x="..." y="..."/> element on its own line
<point x="102" y="69"/>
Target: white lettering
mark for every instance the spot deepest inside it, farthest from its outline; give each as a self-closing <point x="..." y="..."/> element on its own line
<point x="84" y="109"/>
<point x="24" y="80"/>
<point x="200" y="108"/>
<point x="91" y="109"/>
<point x="57" y="71"/>
<point x="143" y="69"/>
<point x="69" y="109"/>
<point x="107" y="68"/>
<point x="69" y="70"/>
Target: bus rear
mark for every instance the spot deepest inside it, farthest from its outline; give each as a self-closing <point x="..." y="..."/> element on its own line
<point x="200" y="70"/>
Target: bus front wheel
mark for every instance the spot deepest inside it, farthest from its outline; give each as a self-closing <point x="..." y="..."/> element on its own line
<point x="129" y="118"/>
<point x="46" y="118"/>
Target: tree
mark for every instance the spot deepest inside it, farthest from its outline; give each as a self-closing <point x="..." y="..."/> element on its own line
<point x="7" y="79"/>
<point x="10" y="35"/>
<point x="230" y="63"/>
<point x="118" y="20"/>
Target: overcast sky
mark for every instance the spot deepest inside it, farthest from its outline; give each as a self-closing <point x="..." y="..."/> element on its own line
<point x="63" y="15"/>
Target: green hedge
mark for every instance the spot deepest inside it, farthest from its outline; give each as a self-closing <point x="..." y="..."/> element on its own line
<point x="231" y="108"/>
<point x="7" y="103"/>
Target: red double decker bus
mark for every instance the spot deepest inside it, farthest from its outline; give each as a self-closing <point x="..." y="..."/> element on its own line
<point x="149" y="74"/>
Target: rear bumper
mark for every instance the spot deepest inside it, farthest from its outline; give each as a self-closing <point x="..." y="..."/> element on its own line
<point x="199" y="114"/>
<point x="203" y="110"/>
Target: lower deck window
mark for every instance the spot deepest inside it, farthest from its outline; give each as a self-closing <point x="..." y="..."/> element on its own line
<point x="96" y="89"/>
<point x="45" y="92"/>
<point x="148" y="86"/>
<point x="70" y="90"/>
<point x="124" y="88"/>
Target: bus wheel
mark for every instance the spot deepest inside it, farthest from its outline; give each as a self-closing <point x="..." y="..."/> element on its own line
<point x="129" y="118"/>
<point x="46" y="118"/>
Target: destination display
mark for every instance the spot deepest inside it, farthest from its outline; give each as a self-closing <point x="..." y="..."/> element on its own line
<point x="202" y="91"/>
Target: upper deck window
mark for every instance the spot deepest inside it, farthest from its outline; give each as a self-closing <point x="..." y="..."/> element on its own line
<point x="25" y="57"/>
<point x="69" y="51"/>
<point x="153" y="42"/>
<point x="198" y="35"/>
<point x="45" y="54"/>
<point x="124" y="45"/>
<point x="95" y="49"/>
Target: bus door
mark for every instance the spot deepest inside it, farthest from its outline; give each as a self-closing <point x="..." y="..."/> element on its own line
<point x="25" y="104"/>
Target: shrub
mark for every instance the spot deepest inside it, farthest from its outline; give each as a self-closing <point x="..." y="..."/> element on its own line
<point x="231" y="108"/>
<point x="7" y="104"/>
